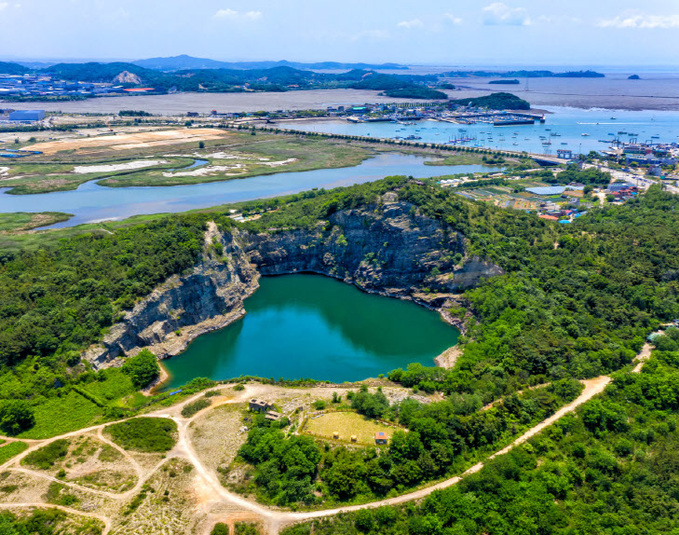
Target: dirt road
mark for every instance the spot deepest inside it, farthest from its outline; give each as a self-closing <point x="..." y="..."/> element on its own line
<point x="208" y="482"/>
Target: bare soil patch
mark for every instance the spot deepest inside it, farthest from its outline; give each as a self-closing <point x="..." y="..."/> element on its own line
<point x="218" y="434"/>
<point x="132" y="141"/>
<point x="165" y="505"/>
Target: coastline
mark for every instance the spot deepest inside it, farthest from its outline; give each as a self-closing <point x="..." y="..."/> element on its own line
<point x="182" y="103"/>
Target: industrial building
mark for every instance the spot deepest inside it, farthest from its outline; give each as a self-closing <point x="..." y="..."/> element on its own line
<point x="27" y="116"/>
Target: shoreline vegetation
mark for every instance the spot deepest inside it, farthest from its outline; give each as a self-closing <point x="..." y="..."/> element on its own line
<point x="553" y="315"/>
<point x="227" y="153"/>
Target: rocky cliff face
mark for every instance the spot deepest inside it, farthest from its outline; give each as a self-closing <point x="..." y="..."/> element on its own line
<point x="388" y="249"/>
<point x="184" y="307"/>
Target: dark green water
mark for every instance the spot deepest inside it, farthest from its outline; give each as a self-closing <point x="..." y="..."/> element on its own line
<point x="315" y="327"/>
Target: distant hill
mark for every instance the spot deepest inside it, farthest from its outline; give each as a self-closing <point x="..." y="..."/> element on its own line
<point x="496" y="101"/>
<point x="184" y="62"/>
<point x="12" y="68"/>
<point x="525" y="74"/>
<point x="580" y="74"/>
<point x="180" y="63"/>
<point x="98" y="72"/>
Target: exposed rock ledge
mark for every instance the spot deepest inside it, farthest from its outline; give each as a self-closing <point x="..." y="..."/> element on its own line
<point x="388" y="249"/>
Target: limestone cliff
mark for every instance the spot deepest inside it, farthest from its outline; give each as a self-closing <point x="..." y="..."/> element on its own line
<point x="184" y="307"/>
<point x="388" y="249"/>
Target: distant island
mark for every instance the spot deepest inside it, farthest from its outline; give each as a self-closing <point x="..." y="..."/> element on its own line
<point x="74" y="81"/>
<point x="633" y="77"/>
<point x="77" y="81"/>
<point x="512" y="81"/>
<point x="524" y="74"/>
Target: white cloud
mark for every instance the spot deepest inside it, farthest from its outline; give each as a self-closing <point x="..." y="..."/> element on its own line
<point x="4" y="5"/>
<point x="641" y="21"/>
<point x="452" y="18"/>
<point x="232" y="14"/>
<point x="410" y="24"/>
<point x="226" y="14"/>
<point x="501" y="14"/>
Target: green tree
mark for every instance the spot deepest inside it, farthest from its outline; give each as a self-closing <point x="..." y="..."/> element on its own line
<point x="16" y="416"/>
<point x="220" y="529"/>
<point x="143" y="368"/>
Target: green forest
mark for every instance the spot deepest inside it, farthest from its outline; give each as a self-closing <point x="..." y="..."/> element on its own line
<point x="443" y="438"/>
<point x="574" y="301"/>
<point x="611" y="468"/>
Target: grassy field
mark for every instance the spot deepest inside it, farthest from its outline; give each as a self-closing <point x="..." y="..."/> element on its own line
<point x="229" y="155"/>
<point x="10" y="450"/>
<point x="22" y="221"/>
<point x="247" y="156"/>
<point x="31" y="178"/>
<point x="459" y="158"/>
<point x="346" y="424"/>
<point x="50" y="420"/>
<point x="144" y="434"/>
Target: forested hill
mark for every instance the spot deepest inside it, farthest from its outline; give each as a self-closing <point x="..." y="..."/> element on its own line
<point x="576" y="300"/>
<point x="182" y="62"/>
<point x="274" y="78"/>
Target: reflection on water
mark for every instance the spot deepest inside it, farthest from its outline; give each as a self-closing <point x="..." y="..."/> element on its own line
<point x="316" y="327"/>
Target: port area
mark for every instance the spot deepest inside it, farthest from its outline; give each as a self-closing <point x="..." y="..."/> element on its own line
<point x="495" y="118"/>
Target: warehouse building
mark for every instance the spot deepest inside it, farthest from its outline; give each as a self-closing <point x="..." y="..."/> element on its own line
<point x="27" y="116"/>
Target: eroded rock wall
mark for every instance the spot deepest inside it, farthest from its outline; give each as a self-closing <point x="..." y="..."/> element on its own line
<point x="184" y="307"/>
<point x="389" y="249"/>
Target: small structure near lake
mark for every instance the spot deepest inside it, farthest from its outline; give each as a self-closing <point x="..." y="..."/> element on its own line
<point x="259" y="405"/>
<point x="381" y="438"/>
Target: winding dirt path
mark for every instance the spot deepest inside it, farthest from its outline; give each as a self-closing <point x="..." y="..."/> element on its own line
<point x="273" y="520"/>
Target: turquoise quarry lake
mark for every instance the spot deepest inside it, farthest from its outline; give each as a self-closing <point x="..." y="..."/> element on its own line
<point x="92" y="202"/>
<point x="310" y="326"/>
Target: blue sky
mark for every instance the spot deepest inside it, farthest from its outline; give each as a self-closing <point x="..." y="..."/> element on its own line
<point x="453" y="32"/>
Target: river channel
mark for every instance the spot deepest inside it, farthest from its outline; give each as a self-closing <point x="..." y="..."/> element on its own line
<point x="92" y="202"/>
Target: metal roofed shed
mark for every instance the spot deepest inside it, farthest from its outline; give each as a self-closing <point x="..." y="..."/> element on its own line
<point x="546" y="190"/>
<point x="27" y="115"/>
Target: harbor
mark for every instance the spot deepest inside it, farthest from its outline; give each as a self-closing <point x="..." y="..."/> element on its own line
<point x="571" y="130"/>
